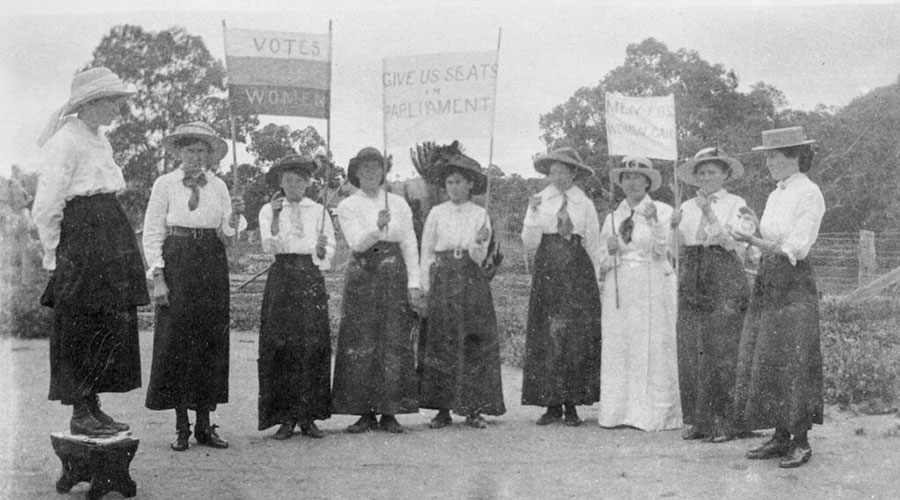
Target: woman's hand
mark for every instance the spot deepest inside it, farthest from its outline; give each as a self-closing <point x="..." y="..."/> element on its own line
<point x="277" y="202"/>
<point x="237" y="205"/>
<point x="676" y="217"/>
<point x="612" y="245"/>
<point x="703" y="203"/>
<point x="650" y="212"/>
<point x="417" y="301"/>
<point x="321" y="245"/>
<point x="384" y="218"/>
<point x="484" y="234"/>
<point x="740" y="235"/>
<point x="160" y="290"/>
<point x="534" y="202"/>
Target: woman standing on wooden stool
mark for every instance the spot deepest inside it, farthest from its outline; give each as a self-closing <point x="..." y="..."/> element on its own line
<point x="190" y="218"/>
<point x="96" y="272"/>
<point x="294" y="332"/>
<point x="779" y="374"/>
<point x="462" y="352"/>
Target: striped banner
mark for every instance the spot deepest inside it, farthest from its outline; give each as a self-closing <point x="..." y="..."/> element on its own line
<point x="279" y="73"/>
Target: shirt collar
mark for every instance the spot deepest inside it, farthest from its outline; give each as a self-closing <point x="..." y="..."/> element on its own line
<point x="784" y="183"/>
<point x="574" y="193"/>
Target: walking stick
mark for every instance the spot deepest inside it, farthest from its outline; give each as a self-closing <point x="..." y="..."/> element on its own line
<point x="612" y="222"/>
<point x="252" y="279"/>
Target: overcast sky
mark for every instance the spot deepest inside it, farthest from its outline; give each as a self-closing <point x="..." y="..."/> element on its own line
<point x="814" y="52"/>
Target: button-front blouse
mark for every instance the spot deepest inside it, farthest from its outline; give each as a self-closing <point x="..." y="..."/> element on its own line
<point x="793" y="215"/>
<point x="358" y="216"/>
<point x="294" y="237"/>
<point x="649" y="239"/>
<point x="726" y="209"/>
<point x="450" y="227"/>
<point x="76" y="162"/>
<point x="581" y="212"/>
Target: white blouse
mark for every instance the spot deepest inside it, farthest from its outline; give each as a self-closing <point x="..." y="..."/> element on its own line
<point x="299" y="225"/>
<point x="449" y="227"/>
<point x="358" y="216"/>
<point x="168" y="206"/>
<point x="581" y="211"/>
<point x="726" y="210"/>
<point x="649" y="239"/>
<point x="76" y="162"/>
<point x="793" y="215"/>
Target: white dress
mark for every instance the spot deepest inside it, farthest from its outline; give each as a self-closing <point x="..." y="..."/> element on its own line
<point x="639" y="364"/>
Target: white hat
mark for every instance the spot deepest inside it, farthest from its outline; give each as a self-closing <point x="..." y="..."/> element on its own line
<point x="89" y="85"/>
<point x="218" y="148"/>
<point x="734" y="169"/>
<point x="783" y="138"/>
<point x="638" y="165"/>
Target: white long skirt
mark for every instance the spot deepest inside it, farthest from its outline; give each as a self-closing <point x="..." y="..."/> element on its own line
<point x="639" y="363"/>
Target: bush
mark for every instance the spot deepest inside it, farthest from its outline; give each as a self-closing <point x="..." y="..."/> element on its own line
<point x="22" y="283"/>
<point x="861" y="349"/>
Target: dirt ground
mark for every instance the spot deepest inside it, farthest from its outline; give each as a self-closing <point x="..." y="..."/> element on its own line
<point x="854" y="457"/>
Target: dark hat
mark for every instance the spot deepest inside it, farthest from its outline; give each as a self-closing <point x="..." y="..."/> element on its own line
<point x="302" y="165"/>
<point x="452" y="163"/>
<point x="733" y="167"/>
<point x="364" y="155"/>
<point x="565" y="155"/>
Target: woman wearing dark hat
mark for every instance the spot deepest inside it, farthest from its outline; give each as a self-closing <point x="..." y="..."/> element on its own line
<point x="713" y="294"/>
<point x="462" y="352"/>
<point x="374" y="370"/>
<point x="188" y="216"/>
<point x="779" y="375"/>
<point x="639" y="367"/>
<point x="96" y="272"/>
<point x="562" y="342"/>
<point x="294" y="333"/>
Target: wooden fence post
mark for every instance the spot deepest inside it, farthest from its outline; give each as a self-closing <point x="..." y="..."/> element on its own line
<point x="867" y="263"/>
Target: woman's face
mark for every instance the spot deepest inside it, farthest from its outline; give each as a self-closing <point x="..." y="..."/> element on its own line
<point x="710" y="176"/>
<point x="562" y="176"/>
<point x="106" y="109"/>
<point x="370" y="175"/>
<point x="780" y="166"/>
<point x="294" y="186"/>
<point x="194" y="157"/>
<point x="635" y="185"/>
<point x="458" y="187"/>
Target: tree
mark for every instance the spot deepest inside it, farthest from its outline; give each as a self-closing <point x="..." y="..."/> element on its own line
<point x="710" y="109"/>
<point x="178" y="82"/>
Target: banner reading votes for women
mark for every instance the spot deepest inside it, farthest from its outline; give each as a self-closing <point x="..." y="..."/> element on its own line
<point x="441" y="98"/>
<point x="641" y="126"/>
<point x="277" y="73"/>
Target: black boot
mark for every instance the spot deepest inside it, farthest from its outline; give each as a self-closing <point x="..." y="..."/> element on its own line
<point x="85" y="423"/>
<point x="571" y="418"/>
<point x="206" y="434"/>
<point x="551" y="416"/>
<point x="182" y="435"/>
<point x="104" y="418"/>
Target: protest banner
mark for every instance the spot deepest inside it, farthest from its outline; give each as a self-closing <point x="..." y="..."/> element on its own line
<point x="279" y="73"/>
<point x="641" y="126"/>
<point x="441" y="98"/>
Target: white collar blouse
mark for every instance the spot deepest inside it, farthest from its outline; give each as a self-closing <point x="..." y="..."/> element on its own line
<point x="793" y="215"/>
<point x="299" y="225"/>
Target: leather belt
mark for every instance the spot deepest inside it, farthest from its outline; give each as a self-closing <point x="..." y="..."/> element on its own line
<point x="191" y="232"/>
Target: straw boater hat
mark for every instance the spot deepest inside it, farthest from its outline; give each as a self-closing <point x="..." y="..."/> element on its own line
<point x="217" y="146"/>
<point x="687" y="171"/>
<point x="303" y="165"/>
<point x="639" y="165"/>
<point x="364" y="155"/>
<point x="783" y="138"/>
<point x="565" y="155"/>
<point x="451" y="160"/>
<point x="89" y="85"/>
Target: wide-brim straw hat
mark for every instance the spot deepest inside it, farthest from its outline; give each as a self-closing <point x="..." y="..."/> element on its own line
<point x="218" y="148"/>
<point x="303" y="165"/>
<point x="687" y="171"/>
<point x="88" y="85"/>
<point x="458" y="163"/>
<point x="783" y="138"/>
<point x="564" y="155"/>
<point x="364" y="155"/>
<point x="638" y="165"/>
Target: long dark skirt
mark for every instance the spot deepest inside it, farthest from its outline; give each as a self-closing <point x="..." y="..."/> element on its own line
<point x="712" y="299"/>
<point x="562" y="343"/>
<point x="779" y="374"/>
<point x="95" y="290"/>
<point x="294" y="344"/>
<point x="462" y="352"/>
<point x="191" y="336"/>
<point x="374" y="369"/>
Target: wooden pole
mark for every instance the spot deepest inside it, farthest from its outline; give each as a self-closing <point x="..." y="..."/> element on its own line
<point x="867" y="262"/>
<point x="234" y="163"/>
<point x="612" y="223"/>
<point x="327" y="131"/>
<point x="487" y="196"/>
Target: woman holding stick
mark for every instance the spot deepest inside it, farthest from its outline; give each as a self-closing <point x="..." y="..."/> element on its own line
<point x="562" y="340"/>
<point x="639" y="367"/>
<point x="374" y="371"/>
<point x="190" y="219"/>
<point x="713" y="294"/>
<point x="779" y="374"/>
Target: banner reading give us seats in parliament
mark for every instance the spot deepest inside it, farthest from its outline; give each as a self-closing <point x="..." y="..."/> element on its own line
<point x="279" y="73"/>
<point x="440" y="98"/>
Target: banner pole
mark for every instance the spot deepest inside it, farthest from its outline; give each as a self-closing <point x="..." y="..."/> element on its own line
<point x="487" y="197"/>
<point x="327" y="131"/>
<point x="384" y="140"/>
<point x="612" y="223"/>
<point x="234" y="163"/>
<point x="677" y="237"/>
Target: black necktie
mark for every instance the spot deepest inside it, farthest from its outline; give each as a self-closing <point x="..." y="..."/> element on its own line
<point x="194" y="181"/>
<point x="627" y="227"/>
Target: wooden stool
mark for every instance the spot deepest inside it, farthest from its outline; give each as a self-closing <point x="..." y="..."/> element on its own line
<point x="101" y="461"/>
